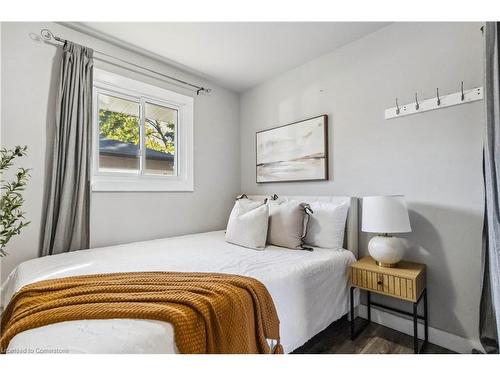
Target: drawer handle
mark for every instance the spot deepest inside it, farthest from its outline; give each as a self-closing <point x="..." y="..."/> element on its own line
<point x="380" y="282"/>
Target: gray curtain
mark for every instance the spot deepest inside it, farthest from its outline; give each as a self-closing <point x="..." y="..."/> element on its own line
<point x="490" y="298"/>
<point x="66" y="225"/>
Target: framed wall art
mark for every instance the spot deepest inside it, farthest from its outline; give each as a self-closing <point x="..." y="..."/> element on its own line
<point x="293" y="152"/>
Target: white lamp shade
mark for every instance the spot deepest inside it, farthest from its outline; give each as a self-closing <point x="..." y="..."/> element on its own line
<point x="385" y="214"/>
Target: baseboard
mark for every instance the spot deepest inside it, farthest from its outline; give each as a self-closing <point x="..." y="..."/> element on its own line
<point x="442" y="338"/>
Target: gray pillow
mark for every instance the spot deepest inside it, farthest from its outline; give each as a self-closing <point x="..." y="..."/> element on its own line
<point x="288" y="221"/>
<point x="247" y="225"/>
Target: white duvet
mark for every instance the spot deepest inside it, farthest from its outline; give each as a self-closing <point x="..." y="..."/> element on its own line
<point x="309" y="290"/>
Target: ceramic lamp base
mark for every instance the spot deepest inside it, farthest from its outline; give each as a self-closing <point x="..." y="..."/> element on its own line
<point x="386" y="250"/>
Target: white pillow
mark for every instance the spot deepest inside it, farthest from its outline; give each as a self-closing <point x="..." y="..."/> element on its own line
<point x="247" y="225"/>
<point x="327" y="225"/>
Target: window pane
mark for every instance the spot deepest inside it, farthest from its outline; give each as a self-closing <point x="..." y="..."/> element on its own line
<point x="118" y="135"/>
<point x="160" y="130"/>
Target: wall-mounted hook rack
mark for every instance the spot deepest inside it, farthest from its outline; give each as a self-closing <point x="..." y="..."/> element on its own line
<point x="438" y="102"/>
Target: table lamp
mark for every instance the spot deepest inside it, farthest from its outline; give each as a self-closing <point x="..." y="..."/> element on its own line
<point x="385" y="215"/>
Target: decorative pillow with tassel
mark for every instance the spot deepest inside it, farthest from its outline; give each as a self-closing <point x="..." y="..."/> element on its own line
<point x="288" y="222"/>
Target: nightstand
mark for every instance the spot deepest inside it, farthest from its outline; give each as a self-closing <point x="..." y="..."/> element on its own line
<point x="405" y="282"/>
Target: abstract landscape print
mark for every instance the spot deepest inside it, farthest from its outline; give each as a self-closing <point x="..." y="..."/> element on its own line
<point x="293" y="152"/>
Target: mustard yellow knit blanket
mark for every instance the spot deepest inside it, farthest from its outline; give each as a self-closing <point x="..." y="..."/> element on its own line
<point x="210" y="313"/>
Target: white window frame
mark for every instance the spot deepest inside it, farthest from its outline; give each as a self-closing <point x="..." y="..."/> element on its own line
<point x="126" y="88"/>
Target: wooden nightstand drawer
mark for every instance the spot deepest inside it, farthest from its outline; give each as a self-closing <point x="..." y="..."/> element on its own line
<point x="407" y="281"/>
<point x="379" y="282"/>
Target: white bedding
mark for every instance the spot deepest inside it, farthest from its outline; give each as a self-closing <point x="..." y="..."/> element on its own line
<point x="309" y="290"/>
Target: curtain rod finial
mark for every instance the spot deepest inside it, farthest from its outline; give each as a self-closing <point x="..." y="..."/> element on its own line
<point x="203" y="89"/>
<point x="46" y="34"/>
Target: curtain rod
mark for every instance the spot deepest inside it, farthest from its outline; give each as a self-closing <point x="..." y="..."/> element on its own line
<point x="47" y="35"/>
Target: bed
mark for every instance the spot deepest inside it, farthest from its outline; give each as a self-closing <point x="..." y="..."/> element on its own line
<point x="309" y="289"/>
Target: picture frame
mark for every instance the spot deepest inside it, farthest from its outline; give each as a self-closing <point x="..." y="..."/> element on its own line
<point x="297" y="151"/>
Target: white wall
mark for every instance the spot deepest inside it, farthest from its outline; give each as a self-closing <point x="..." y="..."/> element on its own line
<point x="433" y="158"/>
<point x="29" y="83"/>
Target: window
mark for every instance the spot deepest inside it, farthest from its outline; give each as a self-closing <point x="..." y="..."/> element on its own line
<point x="143" y="136"/>
<point x="159" y="133"/>
<point x="119" y="134"/>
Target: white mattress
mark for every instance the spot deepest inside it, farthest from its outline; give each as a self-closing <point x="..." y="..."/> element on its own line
<point x="309" y="290"/>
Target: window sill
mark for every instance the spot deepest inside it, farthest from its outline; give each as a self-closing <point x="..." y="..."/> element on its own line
<point x="118" y="184"/>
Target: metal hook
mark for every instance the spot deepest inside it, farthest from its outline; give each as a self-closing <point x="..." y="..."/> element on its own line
<point x="417" y="106"/>
<point x="462" y="89"/>
<point x="438" y="98"/>
<point x="397" y="107"/>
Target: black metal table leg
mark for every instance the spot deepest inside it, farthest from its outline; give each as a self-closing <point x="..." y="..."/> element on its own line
<point x="426" y="319"/>
<point x="368" y="295"/>
<point x="415" y="328"/>
<point x="352" y="313"/>
<point x="354" y="332"/>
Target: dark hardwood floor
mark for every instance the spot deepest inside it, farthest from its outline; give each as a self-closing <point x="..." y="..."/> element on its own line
<point x="374" y="339"/>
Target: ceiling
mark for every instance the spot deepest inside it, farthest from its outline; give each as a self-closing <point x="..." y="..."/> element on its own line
<point x="236" y="55"/>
